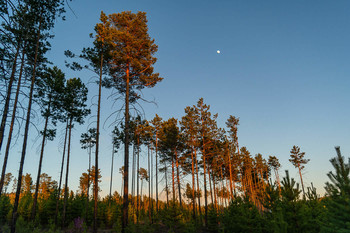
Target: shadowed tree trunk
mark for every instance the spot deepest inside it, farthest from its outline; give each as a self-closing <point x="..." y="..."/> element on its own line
<point x="88" y="185"/>
<point x="97" y="143"/>
<point x="13" y="118"/>
<point x="61" y="173"/>
<point x="40" y="163"/>
<point x="198" y="190"/>
<point x="8" y="95"/>
<point x="26" y="130"/>
<point x="126" y="154"/>
<point x="166" y="185"/>
<point x="193" y="187"/>
<point x="178" y="177"/>
<point x="67" y="171"/>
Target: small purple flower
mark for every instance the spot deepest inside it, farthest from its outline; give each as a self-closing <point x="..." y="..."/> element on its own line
<point x="78" y="224"/>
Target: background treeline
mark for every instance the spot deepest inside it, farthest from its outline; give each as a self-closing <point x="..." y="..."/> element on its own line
<point x="207" y="181"/>
<point x="282" y="208"/>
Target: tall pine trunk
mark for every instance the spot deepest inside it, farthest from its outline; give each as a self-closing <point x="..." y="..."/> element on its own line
<point x="67" y="172"/>
<point x="193" y="188"/>
<point x="149" y="185"/>
<point x="178" y="177"/>
<point x="230" y="169"/>
<point x="88" y="185"/>
<point x="126" y="155"/>
<point x="151" y="180"/>
<point x="110" y="185"/>
<point x="13" y="118"/>
<point x="157" y="204"/>
<point x="8" y="96"/>
<point x="301" y="179"/>
<point x="198" y="190"/>
<point x="205" y="193"/>
<point x="138" y="177"/>
<point x="166" y="185"/>
<point x="61" y="173"/>
<point x="173" y="178"/>
<point x="26" y="130"/>
<point x="97" y="145"/>
<point x="40" y="162"/>
<point x="210" y="187"/>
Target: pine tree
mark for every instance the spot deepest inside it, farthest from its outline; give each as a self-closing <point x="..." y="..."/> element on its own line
<point x="75" y="107"/>
<point x="131" y="68"/>
<point x="87" y="141"/>
<point x="298" y="161"/>
<point x="49" y="93"/>
<point x="338" y="196"/>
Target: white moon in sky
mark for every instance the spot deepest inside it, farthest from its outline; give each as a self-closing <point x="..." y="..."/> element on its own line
<point x="218" y="51"/>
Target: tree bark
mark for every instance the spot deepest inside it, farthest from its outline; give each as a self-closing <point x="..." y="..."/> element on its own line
<point x="8" y="96"/>
<point x="138" y="177"/>
<point x="61" y="173"/>
<point x="97" y="144"/>
<point x="40" y="162"/>
<point x="301" y="179"/>
<point x="173" y="178"/>
<point x="166" y="185"/>
<point x="67" y="171"/>
<point x="198" y="190"/>
<point x="26" y="130"/>
<point x="157" y="204"/>
<point x="88" y="185"/>
<point x="178" y="178"/>
<point x="13" y="118"/>
<point x="126" y="155"/>
<point x="110" y="185"/>
<point x="149" y="186"/>
<point x="193" y="188"/>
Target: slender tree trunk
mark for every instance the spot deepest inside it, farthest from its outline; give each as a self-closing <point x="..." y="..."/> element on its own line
<point x="173" y="178"/>
<point x="111" y="182"/>
<point x="205" y="193"/>
<point x="301" y="179"/>
<point x="157" y="204"/>
<point x="166" y="185"/>
<point x="149" y="185"/>
<point x="26" y="130"/>
<point x="151" y="180"/>
<point x="8" y="95"/>
<point x="193" y="188"/>
<point x="141" y="191"/>
<point x="133" y="176"/>
<point x="178" y="177"/>
<point x="215" y="193"/>
<point x="126" y="155"/>
<point x="67" y="171"/>
<point x="230" y="168"/>
<point x="198" y="190"/>
<point x="138" y="177"/>
<point x="13" y="118"/>
<point x="278" y="180"/>
<point x="61" y="174"/>
<point x="40" y="162"/>
<point x="88" y="185"/>
<point x="97" y="143"/>
<point x="121" y="189"/>
<point x="210" y="187"/>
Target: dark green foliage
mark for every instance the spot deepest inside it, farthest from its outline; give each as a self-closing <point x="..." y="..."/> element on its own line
<point x="5" y="207"/>
<point x="242" y="216"/>
<point x="25" y="206"/>
<point x="338" y="200"/>
<point x="47" y="208"/>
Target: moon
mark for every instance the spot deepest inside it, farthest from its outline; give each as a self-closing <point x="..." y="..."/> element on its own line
<point x="218" y="51"/>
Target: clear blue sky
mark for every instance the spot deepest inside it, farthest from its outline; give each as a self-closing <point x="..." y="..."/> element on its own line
<point x="283" y="70"/>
